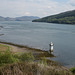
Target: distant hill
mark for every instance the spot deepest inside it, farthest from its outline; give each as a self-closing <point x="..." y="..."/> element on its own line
<point x="62" y="18"/>
<point x="23" y="18"/>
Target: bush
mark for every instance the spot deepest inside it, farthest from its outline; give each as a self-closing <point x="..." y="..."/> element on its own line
<point x="27" y="57"/>
<point x="44" y="61"/>
<point x="72" y="70"/>
<point x="7" y="57"/>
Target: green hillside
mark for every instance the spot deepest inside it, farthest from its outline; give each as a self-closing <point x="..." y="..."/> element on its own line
<point x="62" y="18"/>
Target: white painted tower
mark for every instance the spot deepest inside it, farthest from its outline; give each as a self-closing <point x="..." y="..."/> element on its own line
<point x="51" y="47"/>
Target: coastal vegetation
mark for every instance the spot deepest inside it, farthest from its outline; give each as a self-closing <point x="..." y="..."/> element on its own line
<point x="73" y="70"/>
<point x="25" y="63"/>
<point x="62" y="18"/>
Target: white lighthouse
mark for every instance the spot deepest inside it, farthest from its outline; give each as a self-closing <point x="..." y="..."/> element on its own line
<point x="51" y="47"/>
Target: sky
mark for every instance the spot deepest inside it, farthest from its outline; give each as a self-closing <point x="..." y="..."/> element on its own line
<point x="40" y="8"/>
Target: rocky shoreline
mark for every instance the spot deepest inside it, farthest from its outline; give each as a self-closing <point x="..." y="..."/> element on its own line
<point x="21" y="48"/>
<point x="39" y="55"/>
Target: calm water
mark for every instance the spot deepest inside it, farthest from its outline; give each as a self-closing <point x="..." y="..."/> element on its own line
<point x="39" y="35"/>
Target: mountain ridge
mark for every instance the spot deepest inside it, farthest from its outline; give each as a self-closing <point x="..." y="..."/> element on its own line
<point x="23" y="18"/>
<point x="67" y="17"/>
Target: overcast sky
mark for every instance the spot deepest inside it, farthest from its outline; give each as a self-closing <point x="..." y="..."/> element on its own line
<point x="41" y="8"/>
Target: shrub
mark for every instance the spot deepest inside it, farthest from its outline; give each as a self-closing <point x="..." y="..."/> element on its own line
<point x="72" y="70"/>
<point x="44" y="61"/>
<point x="27" y="57"/>
<point x="7" y="57"/>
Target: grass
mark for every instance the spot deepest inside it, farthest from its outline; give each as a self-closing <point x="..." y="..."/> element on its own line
<point x="27" y="57"/>
<point x="27" y="68"/>
<point x="6" y="57"/>
<point x="24" y="64"/>
<point x="3" y="48"/>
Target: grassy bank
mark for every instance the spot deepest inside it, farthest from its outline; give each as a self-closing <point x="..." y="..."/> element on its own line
<point x="32" y="62"/>
<point x="26" y="68"/>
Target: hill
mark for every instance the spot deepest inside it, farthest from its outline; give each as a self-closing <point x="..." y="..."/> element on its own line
<point x="62" y="18"/>
<point x="23" y="18"/>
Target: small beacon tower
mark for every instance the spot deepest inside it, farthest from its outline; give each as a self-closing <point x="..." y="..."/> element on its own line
<point x="51" y="47"/>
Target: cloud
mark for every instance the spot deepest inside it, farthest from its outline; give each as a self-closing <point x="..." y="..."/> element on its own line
<point x="27" y="13"/>
<point x="72" y="2"/>
<point x="41" y="8"/>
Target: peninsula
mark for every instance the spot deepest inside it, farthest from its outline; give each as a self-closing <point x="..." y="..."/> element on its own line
<point x="62" y="18"/>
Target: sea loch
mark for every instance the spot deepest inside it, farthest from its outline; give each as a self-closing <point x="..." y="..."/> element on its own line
<point x="39" y="35"/>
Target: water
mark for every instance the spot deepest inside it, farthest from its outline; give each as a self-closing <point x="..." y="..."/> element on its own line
<point x="39" y="35"/>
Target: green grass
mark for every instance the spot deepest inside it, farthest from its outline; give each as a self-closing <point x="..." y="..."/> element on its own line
<point x="7" y="58"/>
<point x="6" y="55"/>
<point x="23" y="64"/>
<point x="27" y="57"/>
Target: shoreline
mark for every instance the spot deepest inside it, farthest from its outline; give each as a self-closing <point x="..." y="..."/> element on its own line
<point x="38" y="53"/>
<point x="22" y="46"/>
<point x="35" y="51"/>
